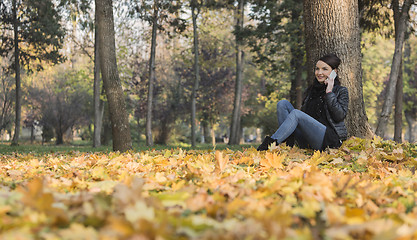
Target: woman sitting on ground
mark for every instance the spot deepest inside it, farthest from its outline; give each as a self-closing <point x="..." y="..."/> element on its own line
<point x="320" y="123"/>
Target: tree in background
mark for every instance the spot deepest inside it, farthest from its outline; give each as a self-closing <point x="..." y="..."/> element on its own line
<point x="217" y="68"/>
<point x="410" y="87"/>
<point x="62" y="99"/>
<point x="83" y="27"/>
<point x="401" y="15"/>
<point x="33" y="33"/>
<point x="277" y="30"/>
<point x="338" y="33"/>
<point x="195" y="11"/>
<point x="117" y="106"/>
<point x="235" y="126"/>
<point x="162" y="11"/>
<point x="377" y="54"/>
<point x="6" y="95"/>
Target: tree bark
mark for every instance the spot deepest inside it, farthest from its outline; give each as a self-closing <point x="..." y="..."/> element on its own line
<point x="400" y="19"/>
<point x="296" y="92"/>
<point x="149" y="140"/>
<point x="18" y="105"/>
<point x="117" y="106"/>
<point x="98" y="104"/>
<point x="297" y="62"/>
<point x="235" y="124"/>
<point x="213" y="136"/>
<point x="398" y="115"/>
<point x="410" y="99"/>
<point x="332" y="26"/>
<point x="196" y="74"/>
<point x="412" y="126"/>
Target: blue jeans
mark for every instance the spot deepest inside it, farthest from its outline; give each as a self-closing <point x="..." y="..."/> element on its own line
<point x="308" y="132"/>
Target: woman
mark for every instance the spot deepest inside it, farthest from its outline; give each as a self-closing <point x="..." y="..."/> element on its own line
<point x="320" y="123"/>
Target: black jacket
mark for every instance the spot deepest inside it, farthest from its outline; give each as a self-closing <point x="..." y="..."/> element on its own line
<point x="336" y="108"/>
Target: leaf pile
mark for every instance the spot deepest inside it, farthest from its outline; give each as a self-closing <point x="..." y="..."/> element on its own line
<point x="364" y="190"/>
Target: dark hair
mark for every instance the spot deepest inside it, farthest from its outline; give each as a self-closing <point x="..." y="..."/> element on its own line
<point x="332" y="60"/>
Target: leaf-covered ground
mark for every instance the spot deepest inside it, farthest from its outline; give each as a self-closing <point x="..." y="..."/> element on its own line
<point x="364" y="190"/>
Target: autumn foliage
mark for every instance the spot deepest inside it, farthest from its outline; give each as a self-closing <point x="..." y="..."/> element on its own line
<point x="364" y="190"/>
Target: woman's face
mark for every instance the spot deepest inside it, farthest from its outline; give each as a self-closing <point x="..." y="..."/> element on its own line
<point x="322" y="71"/>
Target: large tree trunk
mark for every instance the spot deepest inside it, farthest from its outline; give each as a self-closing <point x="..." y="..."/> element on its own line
<point x="400" y="19"/>
<point x="98" y="103"/>
<point x="18" y="106"/>
<point x="332" y="26"/>
<point x="398" y="115"/>
<point x="117" y="106"/>
<point x="196" y="73"/>
<point x="235" y="124"/>
<point x="149" y="140"/>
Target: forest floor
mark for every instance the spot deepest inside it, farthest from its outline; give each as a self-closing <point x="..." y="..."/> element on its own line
<point x="367" y="189"/>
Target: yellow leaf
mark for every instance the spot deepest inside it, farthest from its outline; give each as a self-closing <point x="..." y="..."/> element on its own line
<point x="221" y="162"/>
<point x="78" y="232"/>
<point x="273" y="160"/>
<point x="139" y="211"/>
<point x="35" y="197"/>
<point x="354" y="215"/>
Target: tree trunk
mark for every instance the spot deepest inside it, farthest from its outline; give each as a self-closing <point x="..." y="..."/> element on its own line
<point x="398" y="115"/>
<point x="149" y="140"/>
<point x="18" y="107"/>
<point x="98" y="104"/>
<point x="213" y="135"/>
<point x="32" y="133"/>
<point x="400" y="19"/>
<point x="117" y="106"/>
<point x="297" y="61"/>
<point x="165" y="129"/>
<point x="196" y="73"/>
<point x="410" y="99"/>
<point x="296" y="92"/>
<point x="412" y="125"/>
<point x="338" y="32"/>
<point x="235" y="124"/>
<point x="59" y="137"/>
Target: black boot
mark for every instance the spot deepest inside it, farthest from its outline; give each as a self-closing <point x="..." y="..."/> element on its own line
<point x="266" y="143"/>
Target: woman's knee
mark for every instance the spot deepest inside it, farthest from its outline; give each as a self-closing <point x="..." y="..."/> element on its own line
<point x="283" y="104"/>
<point x="297" y="113"/>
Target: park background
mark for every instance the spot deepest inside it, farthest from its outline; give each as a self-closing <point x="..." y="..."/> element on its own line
<point x="204" y="96"/>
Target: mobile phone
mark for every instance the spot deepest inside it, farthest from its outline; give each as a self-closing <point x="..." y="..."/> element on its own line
<point x="333" y="75"/>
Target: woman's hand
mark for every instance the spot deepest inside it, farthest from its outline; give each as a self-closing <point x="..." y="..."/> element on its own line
<point x="330" y="84"/>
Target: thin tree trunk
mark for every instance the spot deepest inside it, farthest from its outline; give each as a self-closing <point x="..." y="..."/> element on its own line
<point x="149" y="140"/>
<point x="235" y="124"/>
<point x="410" y="111"/>
<point x="196" y="73"/>
<point x="400" y="18"/>
<point x="98" y="105"/>
<point x="338" y="33"/>
<point x="18" y="106"/>
<point x="117" y="106"/>
<point x="213" y="135"/>
<point x="297" y="62"/>
<point x="296" y="92"/>
<point x="412" y="126"/>
<point x="398" y="116"/>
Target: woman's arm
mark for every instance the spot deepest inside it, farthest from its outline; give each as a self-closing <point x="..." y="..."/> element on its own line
<point x="338" y="104"/>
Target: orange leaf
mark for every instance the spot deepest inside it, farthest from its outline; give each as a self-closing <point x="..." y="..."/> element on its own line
<point x="273" y="160"/>
<point x="221" y="162"/>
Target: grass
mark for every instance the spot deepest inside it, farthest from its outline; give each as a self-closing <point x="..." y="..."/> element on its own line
<point x="85" y="146"/>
